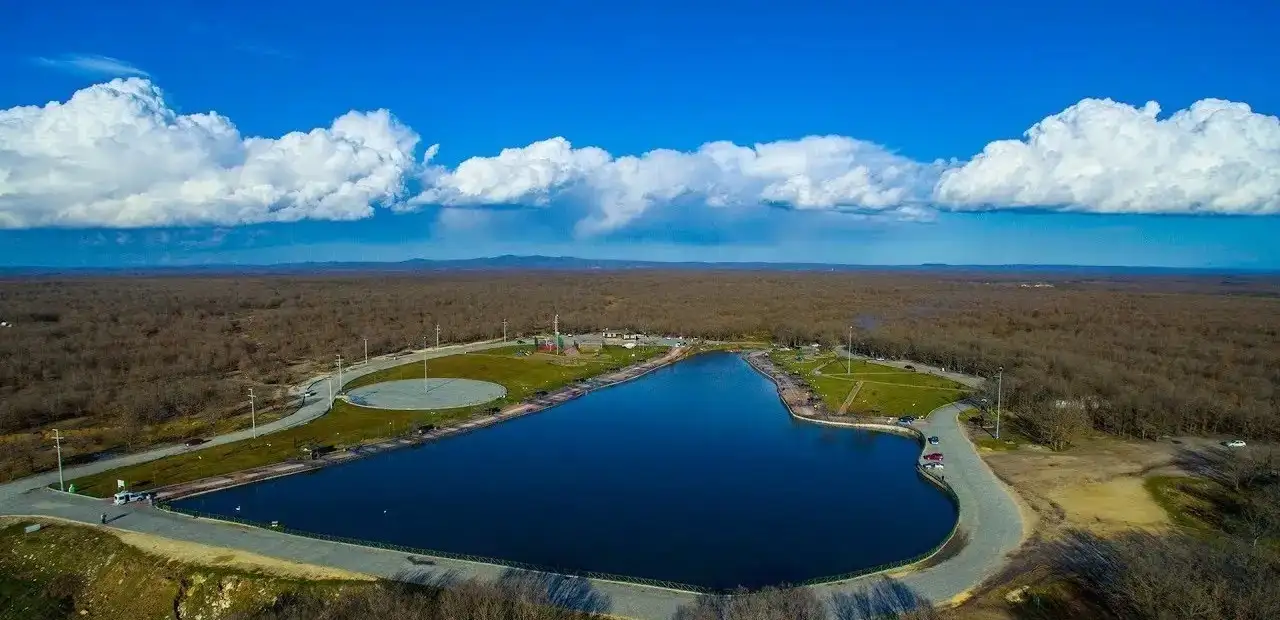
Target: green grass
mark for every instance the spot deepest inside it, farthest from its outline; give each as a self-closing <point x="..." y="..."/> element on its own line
<point x="1186" y="500"/>
<point x="1003" y="444"/>
<point x="885" y="390"/>
<point x="348" y="425"/>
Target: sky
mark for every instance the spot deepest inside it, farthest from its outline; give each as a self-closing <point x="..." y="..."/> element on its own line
<point x="987" y="132"/>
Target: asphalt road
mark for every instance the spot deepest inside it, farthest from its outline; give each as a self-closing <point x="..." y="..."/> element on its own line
<point x="989" y="521"/>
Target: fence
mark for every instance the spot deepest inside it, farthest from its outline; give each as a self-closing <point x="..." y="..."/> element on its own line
<point x="643" y="581"/>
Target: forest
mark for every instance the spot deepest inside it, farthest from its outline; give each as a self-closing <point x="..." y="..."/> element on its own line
<point x="1135" y="356"/>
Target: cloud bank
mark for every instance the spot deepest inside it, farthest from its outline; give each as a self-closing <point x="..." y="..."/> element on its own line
<point x="115" y="155"/>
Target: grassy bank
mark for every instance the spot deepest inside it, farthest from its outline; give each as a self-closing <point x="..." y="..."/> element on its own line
<point x="68" y="571"/>
<point x="65" y="571"/>
<point x="347" y="424"/>
<point x="881" y="390"/>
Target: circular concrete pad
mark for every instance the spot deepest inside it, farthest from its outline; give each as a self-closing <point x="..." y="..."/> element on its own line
<point x="426" y="394"/>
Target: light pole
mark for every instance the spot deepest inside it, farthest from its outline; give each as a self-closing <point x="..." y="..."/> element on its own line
<point x="437" y="335"/>
<point x="999" y="394"/>
<point x="366" y="351"/>
<point x="504" y="331"/>
<point x="329" y="380"/>
<point x="424" y="362"/>
<point x="253" y="414"/>
<point x="848" y="358"/>
<point x="339" y="372"/>
<point x="57" y="442"/>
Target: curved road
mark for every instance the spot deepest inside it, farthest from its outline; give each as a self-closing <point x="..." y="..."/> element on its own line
<point x="989" y="521"/>
<point x="316" y="407"/>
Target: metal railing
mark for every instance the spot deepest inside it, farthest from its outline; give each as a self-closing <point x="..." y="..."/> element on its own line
<point x="467" y="557"/>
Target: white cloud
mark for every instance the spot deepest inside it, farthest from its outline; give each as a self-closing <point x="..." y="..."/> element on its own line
<point x="115" y="155"/>
<point x="93" y="64"/>
<point x="817" y="172"/>
<point x="1106" y="157"/>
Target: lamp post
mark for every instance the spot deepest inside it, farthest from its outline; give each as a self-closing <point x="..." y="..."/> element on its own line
<point x="253" y="414"/>
<point x="999" y="394"/>
<point x="848" y="358"/>
<point x="366" y="351"/>
<point x="57" y="442"/>
<point x="504" y="331"/>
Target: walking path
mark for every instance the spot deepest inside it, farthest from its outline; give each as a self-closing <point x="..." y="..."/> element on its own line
<point x="989" y="521"/>
<point x="848" y="400"/>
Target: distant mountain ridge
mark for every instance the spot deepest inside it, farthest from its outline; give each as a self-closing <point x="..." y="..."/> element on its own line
<point x="509" y="262"/>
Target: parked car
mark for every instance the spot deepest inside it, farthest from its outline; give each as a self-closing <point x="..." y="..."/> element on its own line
<point x="309" y="393"/>
<point x="1234" y="443"/>
<point x="423" y="430"/>
<point x="195" y="441"/>
<point x="907" y="419"/>
<point x="933" y="441"/>
<point x="934" y="465"/>
<point x="933" y="456"/>
<point x="909" y="367"/>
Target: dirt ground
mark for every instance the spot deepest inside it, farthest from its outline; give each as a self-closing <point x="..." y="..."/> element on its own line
<point x="204" y="555"/>
<point x="1096" y="485"/>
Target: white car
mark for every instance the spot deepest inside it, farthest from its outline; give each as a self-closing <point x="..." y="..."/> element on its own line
<point x="932" y="466"/>
<point x="1234" y="443"/>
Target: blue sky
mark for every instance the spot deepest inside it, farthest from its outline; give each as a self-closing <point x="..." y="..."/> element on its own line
<point x="908" y="94"/>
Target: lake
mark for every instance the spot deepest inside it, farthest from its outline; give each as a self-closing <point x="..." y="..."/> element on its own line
<point x="694" y="473"/>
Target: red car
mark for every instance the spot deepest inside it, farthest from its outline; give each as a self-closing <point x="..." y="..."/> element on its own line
<point x="936" y="456"/>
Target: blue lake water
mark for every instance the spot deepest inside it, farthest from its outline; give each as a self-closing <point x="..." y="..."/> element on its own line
<point x="694" y="473"/>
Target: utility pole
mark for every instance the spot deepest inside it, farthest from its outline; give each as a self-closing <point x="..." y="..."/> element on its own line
<point x="848" y="358"/>
<point x="366" y="351"/>
<point x="339" y="372"/>
<point x="504" y="331"/>
<point x="57" y="442"/>
<point x="253" y="414"/>
<point x="424" y="362"/>
<point x="437" y="335"/>
<point x="329" y="380"/>
<point x="555" y="325"/>
<point x="999" y="394"/>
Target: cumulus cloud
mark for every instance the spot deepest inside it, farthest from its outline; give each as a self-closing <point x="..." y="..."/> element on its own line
<point x="1107" y="157"/>
<point x="115" y="155"/>
<point x="816" y="172"/>
<point x="92" y="64"/>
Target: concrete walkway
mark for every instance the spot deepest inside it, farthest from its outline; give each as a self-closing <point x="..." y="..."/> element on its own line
<point x="989" y="521"/>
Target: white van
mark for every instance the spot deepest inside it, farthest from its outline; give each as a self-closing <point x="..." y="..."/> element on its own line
<point x="125" y="497"/>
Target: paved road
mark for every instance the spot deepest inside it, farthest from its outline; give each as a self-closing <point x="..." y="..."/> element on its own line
<point x="314" y="408"/>
<point x="989" y="519"/>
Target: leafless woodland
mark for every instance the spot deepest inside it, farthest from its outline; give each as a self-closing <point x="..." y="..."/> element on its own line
<point x="1134" y="356"/>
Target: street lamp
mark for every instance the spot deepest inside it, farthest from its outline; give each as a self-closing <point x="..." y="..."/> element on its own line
<point x="253" y="414"/>
<point x="57" y="442"/>
<point x="366" y="351"/>
<point x="848" y="358"/>
<point x="999" y="393"/>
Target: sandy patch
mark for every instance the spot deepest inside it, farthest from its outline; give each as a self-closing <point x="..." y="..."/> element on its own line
<point x="1118" y="503"/>
<point x="205" y="555"/>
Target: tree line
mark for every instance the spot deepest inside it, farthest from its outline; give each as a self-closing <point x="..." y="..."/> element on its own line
<point x="1133" y="356"/>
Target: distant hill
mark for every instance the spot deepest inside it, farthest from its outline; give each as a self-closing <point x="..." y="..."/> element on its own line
<point x="568" y="263"/>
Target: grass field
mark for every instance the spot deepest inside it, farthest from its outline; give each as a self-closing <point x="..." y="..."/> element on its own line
<point x="347" y="424"/>
<point x="66" y="571"/>
<point x="885" y="390"/>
